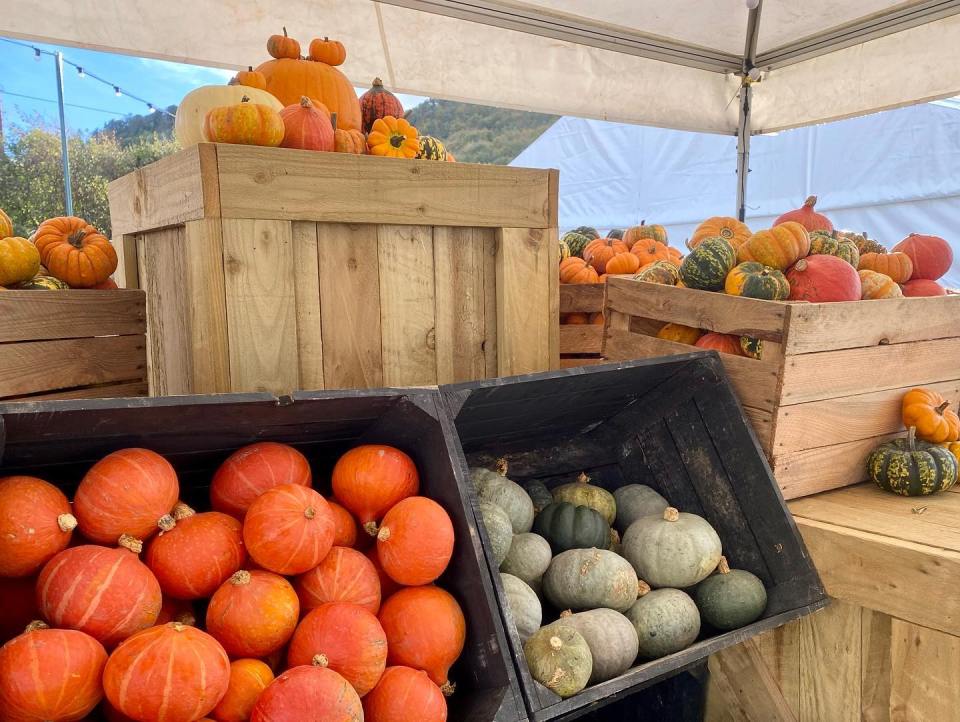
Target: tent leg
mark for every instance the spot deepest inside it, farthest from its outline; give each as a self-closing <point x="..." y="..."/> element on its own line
<point x="743" y="149"/>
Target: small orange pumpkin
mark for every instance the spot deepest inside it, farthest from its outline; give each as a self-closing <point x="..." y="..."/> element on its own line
<point x="307" y="126"/>
<point x="283" y="46"/>
<point x="778" y="247"/>
<point x="253" y="613"/>
<point x="245" y="123"/>
<point x="288" y="529"/>
<point x="393" y="138"/>
<point x="250" y="78"/>
<point x="251" y="470"/>
<point x="248" y="678"/>
<point x="344" y="575"/>
<point x="878" y="285"/>
<point x="325" y="693"/>
<point x="735" y="232"/>
<point x="651" y="251"/>
<point x="927" y="411"/>
<point x="577" y="318"/>
<point x="370" y="479"/>
<point x="348" y="141"/>
<point x="415" y="541"/>
<point x="344" y="526"/>
<point x="601" y="250"/>
<point x="75" y="252"/>
<point x="35" y="524"/>
<point x="897" y="266"/>
<point x="404" y="694"/>
<point x="722" y="342"/>
<point x="327" y="51"/>
<point x="624" y="262"/>
<point x="680" y="334"/>
<point x="577" y="270"/>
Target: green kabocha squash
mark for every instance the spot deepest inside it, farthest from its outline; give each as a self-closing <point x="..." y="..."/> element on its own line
<point x="589" y="579"/>
<point x="576" y="242"/>
<point x="672" y="550"/>
<point x="496" y="488"/>
<point x="910" y="467"/>
<point x="663" y="272"/>
<point x="41" y="283"/>
<point x="751" y="347"/>
<point x="635" y="501"/>
<point x="559" y="659"/>
<point x="539" y="494"/>
<point x="612" y="639"/>
<point x="666" y="620"/>
<point x="825" y="243"/>
<point x="582" y="493"/>
<point x="730" y="598"/>
<point x="616" y="233"/>
<point x="589" y="231"/>
<point x="431" y="148"/>
<point x="754" y="280"/>
<point x="706" y="266"/>
<point x="528" y="559"/>
<point x="566" y="526"/>
<point x="564" y="250"/>
<point x="499" y="530"/>
<point x="523" y="605"/>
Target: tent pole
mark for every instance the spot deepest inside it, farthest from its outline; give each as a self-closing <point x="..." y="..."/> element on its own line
<point x="748" y="78"/>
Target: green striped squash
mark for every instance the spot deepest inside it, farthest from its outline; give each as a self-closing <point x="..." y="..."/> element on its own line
<point x="41" y="283"/>
<point x="754" y="280"/>
<point x="576" y="242"/>
<point x="431" y="148"/>
<point x="751" y="347"/>
<point x="706" y="266"/>
<point x="589" y="231"/>
<point x="824" y="243"/>
<point x="912" y="468"/>
<point x="662" y="272"/>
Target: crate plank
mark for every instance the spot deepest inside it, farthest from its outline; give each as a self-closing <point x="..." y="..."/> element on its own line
<point x="306" y="276"/>
<point x="875" y="629"/>
<point x="261" y="304"/>
<point x="743" y="688"/>
<point x="491" y="245"/>
<point x="41" y="315"/>
<point x="458" y="257"/>
<point x="126" y="249"/>
<point x="207" y="306"/>
<point x="101" y="391"/>
<point x="554" y="309"/>
<point x="780" y="649"/>
<point x="304" y="185"/>
<point x="350" y="305"/>
<point x="407" y="309"/>
<point x="830" y="664"/>
<point x="809" y="471"/>
<point x="581" y="297"/>
<point x="923" y="680"/>
<point x="762" y="422"/>
<point x="580" y="338"/>
<point x="525" y="261"/>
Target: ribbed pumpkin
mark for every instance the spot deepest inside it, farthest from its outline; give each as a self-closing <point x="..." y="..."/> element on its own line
<point x="582" y="493"/>
<point x="6" y="225"/>
<point x="348" y="141"/>
<point x="35" y="524"/>
<point x="378" y="102"/>
<point x="404" y="694"/>
<point x="929" y="413"/>
<point x="831" y="244"/>
<point x="306" y="126"/>
<point x="185" y="574"/>
<point x="19" y="260"/>
<point x="706" y="266"/>
<point x="344" y="526"/>
<point x="253" y="613"/>
<point x="130" y="491"/>
<point x="621" y="263"/>
<point x="393" y="138"/>
<point x="576" y="241"/>
<point x="922" y="287"/>
<point x="600" y="250"/>
<point x="308" y="694"/>
<point x="425" y="630"/>
<point x="288" y="529"/>
<point x="577" y="270"/>
<point x="344" y="575"/>
<point x="369" y="480"/>
<point x="648" y="250"/>
<point x="680" y="334"/>
<point x="431" y="148"/>
<point x="931" y="255"/>
<point x="778" y="247"/>
<point x="19" y="605"/>
<point x="251" y="470"/>
<point x="754" y="280"/>
<point x="415" y="541"/>
<point x="897" y="266"/>
<point x="345" y="638"/>
<point x="171" y="673"/>
<point x="248" y="678"/>
<point x="807" y="217"/>
<point x="722" y="342"/>
<point x="823" y="279"/>
<point x="877" y="285"/>
<point x="249" y="78"/>
<point x="244" y="123"/>
<point x="730" y="229"/>
<point x="283" y="46"/>
<point x="50" y="674"/>
<point x="665" y="273"/>
<point x="107" y="593"/>
<point x="75" y="252"/>
<point x="644" y="232"/>
<point x="910" y="467"/>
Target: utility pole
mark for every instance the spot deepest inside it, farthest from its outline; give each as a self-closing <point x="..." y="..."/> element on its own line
<point x="64" y="155"/>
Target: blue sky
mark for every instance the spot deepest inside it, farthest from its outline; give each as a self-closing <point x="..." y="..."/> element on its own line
<point x="90" y="104"/>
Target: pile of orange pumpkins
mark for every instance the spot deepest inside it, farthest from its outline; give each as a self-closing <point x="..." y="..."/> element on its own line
<point x="103" y="598"/>
<point x="303" y="102"/>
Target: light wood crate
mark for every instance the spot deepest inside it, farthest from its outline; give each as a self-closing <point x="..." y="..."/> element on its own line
<point x="72" y="345"/>
<point x="269" y="269"/>
<point x="580" y="344"/>
<point x="828" y="387"/>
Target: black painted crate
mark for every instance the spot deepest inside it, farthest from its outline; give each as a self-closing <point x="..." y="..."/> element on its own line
<point x="672" y="423"/>
<point x="59" y="440"/>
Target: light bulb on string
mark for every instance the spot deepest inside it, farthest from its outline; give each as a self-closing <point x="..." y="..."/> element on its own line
<point x="150" y="108"/>
<point x="116" y="91"/>
<point x="36" y="54"/>
<point x="80" y="73"/>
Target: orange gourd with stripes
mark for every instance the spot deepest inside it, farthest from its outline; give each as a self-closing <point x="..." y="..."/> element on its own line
<point x="248" y="678"/>
<point x="370" y="479"/>
<point x="288" y="529"/>
<point x="319" y="689"/>
<point x="253" y="613"/>
<point x="344" y="526"/>
<point x="35" y="524"/>
<point x="250" y="471"/>
<point x="415" y="541"/>
<point x="344" y="575"/>
<point x="404" y="694"/>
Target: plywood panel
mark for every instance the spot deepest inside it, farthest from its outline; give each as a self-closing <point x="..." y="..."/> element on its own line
<point x="742" y="688"/>
<point x="207" y="307"/>
<point x="828" y="467"/>
<point x="306" y="275"/>
<point x="40" y="315"/>
<point x="875" y="668"/>
<point x="923" y="673"/>
<point x="830" y="664"/>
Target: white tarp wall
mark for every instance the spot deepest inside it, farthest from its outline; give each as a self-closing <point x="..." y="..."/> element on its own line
<point x="890" y="174"/>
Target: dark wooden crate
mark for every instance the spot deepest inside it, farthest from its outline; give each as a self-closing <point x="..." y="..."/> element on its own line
<point x="673" y="423"/>
<point x="59" y="440"/>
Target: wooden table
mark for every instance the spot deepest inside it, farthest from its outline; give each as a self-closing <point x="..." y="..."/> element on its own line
<point x="888" y="648"/>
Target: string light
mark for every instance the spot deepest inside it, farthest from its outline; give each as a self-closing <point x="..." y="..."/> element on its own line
<point x="36" y="54"/>
<point x="116" y="91"/>
<point x="79" y="71"/>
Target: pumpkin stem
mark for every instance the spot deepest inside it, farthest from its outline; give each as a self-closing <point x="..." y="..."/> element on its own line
<point x="723" y="567"/>
<point x="383" y="535"/>
<point x="305" y="102"/>
<point x="810" y="202"/>
<point x="556" y="644"/>
<point x="912" y="438"/>
<point x="333" y="121"/>
<point x="166" y="522"/>
<point x="285" y="32"/>
<point x="671" y="514"/>
<point x="181" y="511"/>
<point x="502" y="466"/>
<point x="249" y="68"/>
<point x="319" y="660"/>
<point x="614" y="536"/>
<point x="583" y="478"/>
<point x="371" y="528"/>
<point x="377" y="83"/>
<point x="177" y="626"/>
<point x="75" y="239"/>
<point x="566" y="613"/>
<point x="67" y="522"/>
<point x="130" y="543"/>
<point x="942" y="407"/>
<point x="642" y="588"/>
<point x="309" y="512"/>
<point x="35" y="625"/>
<point x="240" y="578"/>
<point x="186" y="619"/>
<point x="448" y="688"/>
<point x="801" y="265"/>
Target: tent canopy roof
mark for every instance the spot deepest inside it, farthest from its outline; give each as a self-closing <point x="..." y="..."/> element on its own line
<point x="671" y="64"/>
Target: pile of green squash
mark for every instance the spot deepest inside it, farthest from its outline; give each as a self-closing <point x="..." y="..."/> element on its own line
<point x="631" y="578"/>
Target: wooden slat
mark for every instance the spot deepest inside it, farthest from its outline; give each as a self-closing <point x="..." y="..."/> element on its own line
<point x="809" y="471"/>
<point x="458" y="257"/>
<point x="407" y="305"/>
<point x="307" y="279"/>
<point x="126" y="249"/>
<point x="831" y="326"/>
<point x="338" y="187"/>
<point x="127" y="389"/>
<point x="742" y="688"/>
<point x="580" y="338"/>
<point x="581" y="297"/>
<point x="491" y="245"/>
<point x="261" y="305"/>
<point x="350" y="305"/>
<point x="832" y="374"/>
<point x="923" y="673"/>
<point x="830" y="664"/>
<point x="780" y="649"/>
<point x="40" y="315"/>
<point x="35" y="366"/>
<point x="554" y="291"/>
<point x="762" y="422"/>
<point x="700" y="309"/>
<point x="526" y="259"/>
<point x="875" y="666"/>
<point x="207" y="307"/>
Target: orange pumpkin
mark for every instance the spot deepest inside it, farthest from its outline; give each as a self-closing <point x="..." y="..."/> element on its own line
<point x="344" y="575"/>
<point x="680" y="334"/>
<point x="19" y="605"/>
<point x="108" y="285"/>
<point x="283" y="46"/>
<point x="601" y="250"/>
<point x="404" y="694"/>
<point x="576" y="318"/>
<point x="306" y="127"/>
<point x="251" y="470"/>
<point x="415" y="541"/>
<point x="130" y="491"/>
<point x="253" y="613"/>
<point x="643" y="232"/>
<point x="35" y="524"/>
<point x="171" y="673"/>
<point x="327" y="51"/>
<point x="650" y="251"/>
<point x="923" y="287"/>
<point x="625" y="262"/>
<point x="244" y="123"/>
<point x="577" y="270"/>
<point x="596" y="319"/>
<point x="931" y="255"/>
<point x="250" y="78"/>
<point x="387" y="585"/>
<point x="325" y="693"/>
<point x="344" y="526"/>
<point x="722" y="342"/>
<point x="6" y="225"/>
<point x="897" y="266"/>
<point x="248" y="678"/>
<point x="807" y="217"/>
<point x="391" y="137"/>
<point x="734" y="232"/>
<point x="370" y="479"/>
<point x="778" y="247"/>
<point x="50" y="674"/>
<point x="425" y="630"/>
<point x="348" y="141"/>
<point x="184" y="574"/>
<point x="107" y="593"/>
<point x="75" y="252"/>
<point x="877" y="285"/>
<point x="927" y="411"/>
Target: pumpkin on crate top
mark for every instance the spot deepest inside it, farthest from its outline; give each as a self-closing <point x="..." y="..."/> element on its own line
<point x="910" y="467"/>
<point x="19" y="260"/>
<point x="348" y="141"/>
<point x="730" y="598"/>
<point x="307" y="126"/>
<point x="559" y="658"/>
<point x="325" y="50"/>
<point x="897" y="266"/>
<point x="706" y="266"/>
<point x="922" y="287"/>
<point x="249" y="78"/>
<point x="308" y="687"/>
<point x="431" y="148"/>
<point x="6" y="225"/>
<point x="370" y="479"/>
<point x="393" y="138"/>
<point x="877" y="285"/>
<point x="577" y="270"/>
<point x="675" y="549"/>
<point x="649" y="250"/>
<point x="600" y="251"/>
<point x="666" y="273"/>
<point x="824" y="279"/>
<point x="244" y="123"/>
<point x="754" y="280"/>
<point x="576" y="242"/>
<point x="807" y="216"/>
<point x="193" y="109"/>
<point x="832" y="244"/>
<point x="623" y="263"/>
<point x="644" y="232"/>
<point x="75" y="252"/>
<point x="378" y="102"/>
<point x="730" y="229"/>
<point x="863" y="243"/>
<point x="931" y="255"/>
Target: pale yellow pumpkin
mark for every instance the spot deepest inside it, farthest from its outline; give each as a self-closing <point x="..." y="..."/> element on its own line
<point x="188" y="125"/>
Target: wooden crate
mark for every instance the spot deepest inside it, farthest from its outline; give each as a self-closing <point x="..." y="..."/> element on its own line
<point x="828" y="387"/>
<point x="273" y="269"/>
<point x="580" y="344"/>
<point x="72" y="344"/>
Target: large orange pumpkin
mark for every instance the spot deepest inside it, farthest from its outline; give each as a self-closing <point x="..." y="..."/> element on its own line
<point x="107" y="593"/>
<point x="824" y="279"/>
<point x="253" y="613"/>
<point x="931" y="255"/>
<point x="344" y="575"/>
<point x="404" y="694"/>
<point x="345" y="638"/>
<point x="344" y="526"/>
<point x="288" y="529"/>
<point x="19" y="597"/>
<point x="730" y="229"/>
<point x="308" y="694"/>
<point x="778" y="247"/>
<point x="248" y="678"/>
<point x="185" y="574"/>
<point x="50" y="674"/>
<point x="250" y="471"/>
<point x="923" y="287"/>
<point x="130" y="491"/>
<point x="897" y="266"/>
<point x="368" y="480"/>
<point x="415" y="541"/>
<point x="35" y="524"/>
<point x="425" y="630"/>
<point x="172" y="673"/>
<point x="807" y="217"/>
<point x="651" y="251"/>
<point x="75" y="252"/>
<point x="601" y="250"/>
<point x="306" y="126"/>
<point x="577" y="270"/>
